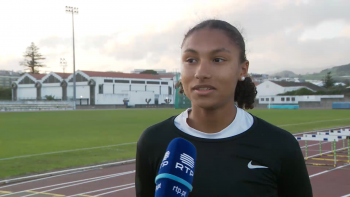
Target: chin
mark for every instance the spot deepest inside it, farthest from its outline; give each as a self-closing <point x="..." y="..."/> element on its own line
<point x="208" y="105"/>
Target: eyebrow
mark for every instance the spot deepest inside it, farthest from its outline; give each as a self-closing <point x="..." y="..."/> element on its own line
<point x="212" y="52"/>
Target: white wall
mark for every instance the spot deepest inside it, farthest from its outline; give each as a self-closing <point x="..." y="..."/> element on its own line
<point x="52" y="89"/>
<point x="121" y="88"/>
<point x="310" y="98"/>
<point x="139" y="97"/>
<point x="154" y="88"/>
<point x="26" y="92"/>
<point x="269" y="88"/>
<point x="82" y="90"/>
<point x="135" y="87"/>
<point x="108" y="88"/>
<point x="110" y="99"/>
<point x="164" y="89"/>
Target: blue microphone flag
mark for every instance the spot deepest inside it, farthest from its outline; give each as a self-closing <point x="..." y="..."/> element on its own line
<point x="175" y="175"/>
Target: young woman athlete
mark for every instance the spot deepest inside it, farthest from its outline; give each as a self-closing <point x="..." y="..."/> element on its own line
<point x="238" y="154"/>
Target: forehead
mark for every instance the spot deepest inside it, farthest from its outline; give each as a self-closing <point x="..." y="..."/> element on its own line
<point x="208" y="39"/>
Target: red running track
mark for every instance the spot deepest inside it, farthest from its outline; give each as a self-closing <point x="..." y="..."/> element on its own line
<point x="118" y="181"/>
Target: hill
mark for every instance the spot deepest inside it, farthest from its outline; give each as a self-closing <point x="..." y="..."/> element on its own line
<point x="339" y="73"/>
<point x="285" y="73"/>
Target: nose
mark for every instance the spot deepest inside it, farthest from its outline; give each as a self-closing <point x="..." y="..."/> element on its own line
<point x="203" y="71"/>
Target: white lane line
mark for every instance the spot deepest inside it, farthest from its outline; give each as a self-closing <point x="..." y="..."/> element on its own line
<point x="314" y="144"/>
<point x="102" y="189"/>
<point x="66" y="151"/>
<point x="323" y="172"/>
<point x="81" y="180"/>
<point x="312" y="122"/>
<point x="39" y="179"/>
<point x="99" y="179"/>
<point x="69" y="170"/>
<point x="114" y="191"/>
<point x="347" y="195"/>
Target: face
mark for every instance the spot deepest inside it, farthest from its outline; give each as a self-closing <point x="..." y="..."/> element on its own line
<point x="211" y="68"/>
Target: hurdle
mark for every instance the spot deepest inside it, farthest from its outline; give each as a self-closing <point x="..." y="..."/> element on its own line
<point x="320" y="138"/>
<point x="341" y="135"/>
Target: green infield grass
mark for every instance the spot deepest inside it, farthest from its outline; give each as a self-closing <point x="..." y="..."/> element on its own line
<point x="29" y="141"/>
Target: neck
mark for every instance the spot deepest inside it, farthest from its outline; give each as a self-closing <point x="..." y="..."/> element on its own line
<point x="213" y="120"/>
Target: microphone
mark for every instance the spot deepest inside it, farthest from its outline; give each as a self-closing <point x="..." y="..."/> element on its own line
<point x="175" y="175"/>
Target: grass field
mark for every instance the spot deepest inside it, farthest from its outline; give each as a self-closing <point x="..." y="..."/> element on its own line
<point x="28" y="133"/>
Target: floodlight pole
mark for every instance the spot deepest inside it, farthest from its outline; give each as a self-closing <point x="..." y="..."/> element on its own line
<point x="73" y="10"/>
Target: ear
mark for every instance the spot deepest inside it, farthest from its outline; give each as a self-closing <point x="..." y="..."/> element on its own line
<point x="244" y="69"/>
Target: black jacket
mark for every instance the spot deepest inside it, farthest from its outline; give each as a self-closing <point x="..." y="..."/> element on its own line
<point x="227" y="167"/>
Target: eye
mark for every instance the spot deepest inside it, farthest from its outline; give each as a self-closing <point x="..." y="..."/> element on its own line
<point x="191" y="60"/>
<point x="218" y="60"/>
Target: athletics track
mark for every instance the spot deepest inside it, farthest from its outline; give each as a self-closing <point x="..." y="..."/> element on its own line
<point x="118" y="181"/>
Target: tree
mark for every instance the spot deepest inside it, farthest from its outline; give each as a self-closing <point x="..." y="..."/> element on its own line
<point x="167" y="100"/>
<point x="32" y="58"/>
<point x="5" y="93"/>
<point x="328" y="80"/>
<point x="152" y="72"/>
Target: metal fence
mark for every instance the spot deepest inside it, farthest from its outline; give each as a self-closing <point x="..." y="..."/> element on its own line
<point x="6" y="106"/>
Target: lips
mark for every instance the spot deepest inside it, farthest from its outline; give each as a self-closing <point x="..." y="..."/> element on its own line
<point x="203" y="90"/>
<point x="203" y="87"/>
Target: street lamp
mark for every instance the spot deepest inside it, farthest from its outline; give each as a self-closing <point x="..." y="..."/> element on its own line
<point x="73" y="10"/>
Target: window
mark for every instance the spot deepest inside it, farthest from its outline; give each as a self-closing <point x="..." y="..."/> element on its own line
<point x="262" y="99"/>
<point x="51" y="79"/>
<point x="153" y="82"/>
<point x="108" y="80"/>
<point x="121" y="81"/>
<point x="138" y="82"/>
<point x="272" y="99"/>
<point x="282" y="99"/>
<point x="267" y="99"/>
<point x="293" y="98"/>
<point x="164" y="83"/>
<point x="26" y="80"/>
<point x="169" y="90"/>
<point x="100" y="89"/>
<point x="78" y="78"/>
<point x="288" y="99"/>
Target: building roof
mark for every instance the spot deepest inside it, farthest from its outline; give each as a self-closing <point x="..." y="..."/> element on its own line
<point x="256" y="83"/>
<point x="121" y="75"/>
<point x="63" y="75"/>
<point x="37" y="76"/>
<point x="293" y="84"/>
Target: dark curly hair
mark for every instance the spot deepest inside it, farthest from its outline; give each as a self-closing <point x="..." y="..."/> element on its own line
<point x="245" y="92"/>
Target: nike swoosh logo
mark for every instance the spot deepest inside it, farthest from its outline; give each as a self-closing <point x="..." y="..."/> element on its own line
<point x="250" y="166"/>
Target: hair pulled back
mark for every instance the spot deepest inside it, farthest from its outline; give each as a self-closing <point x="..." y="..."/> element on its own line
<point x="245" y="92"/>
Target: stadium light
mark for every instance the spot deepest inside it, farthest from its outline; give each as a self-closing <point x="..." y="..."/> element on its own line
<point x="63" y="64"/>
<point x="73" y="10"/>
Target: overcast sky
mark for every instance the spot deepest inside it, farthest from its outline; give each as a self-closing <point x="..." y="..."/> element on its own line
<point x="297" y="35"/>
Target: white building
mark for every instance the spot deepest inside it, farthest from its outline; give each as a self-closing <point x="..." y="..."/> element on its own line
<point x="294" y="100"/>
<point x="7" y="78"/>
<point x="273" y="88"/>
<point x="96" y="88"/>
<point x="339" y="84"/>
